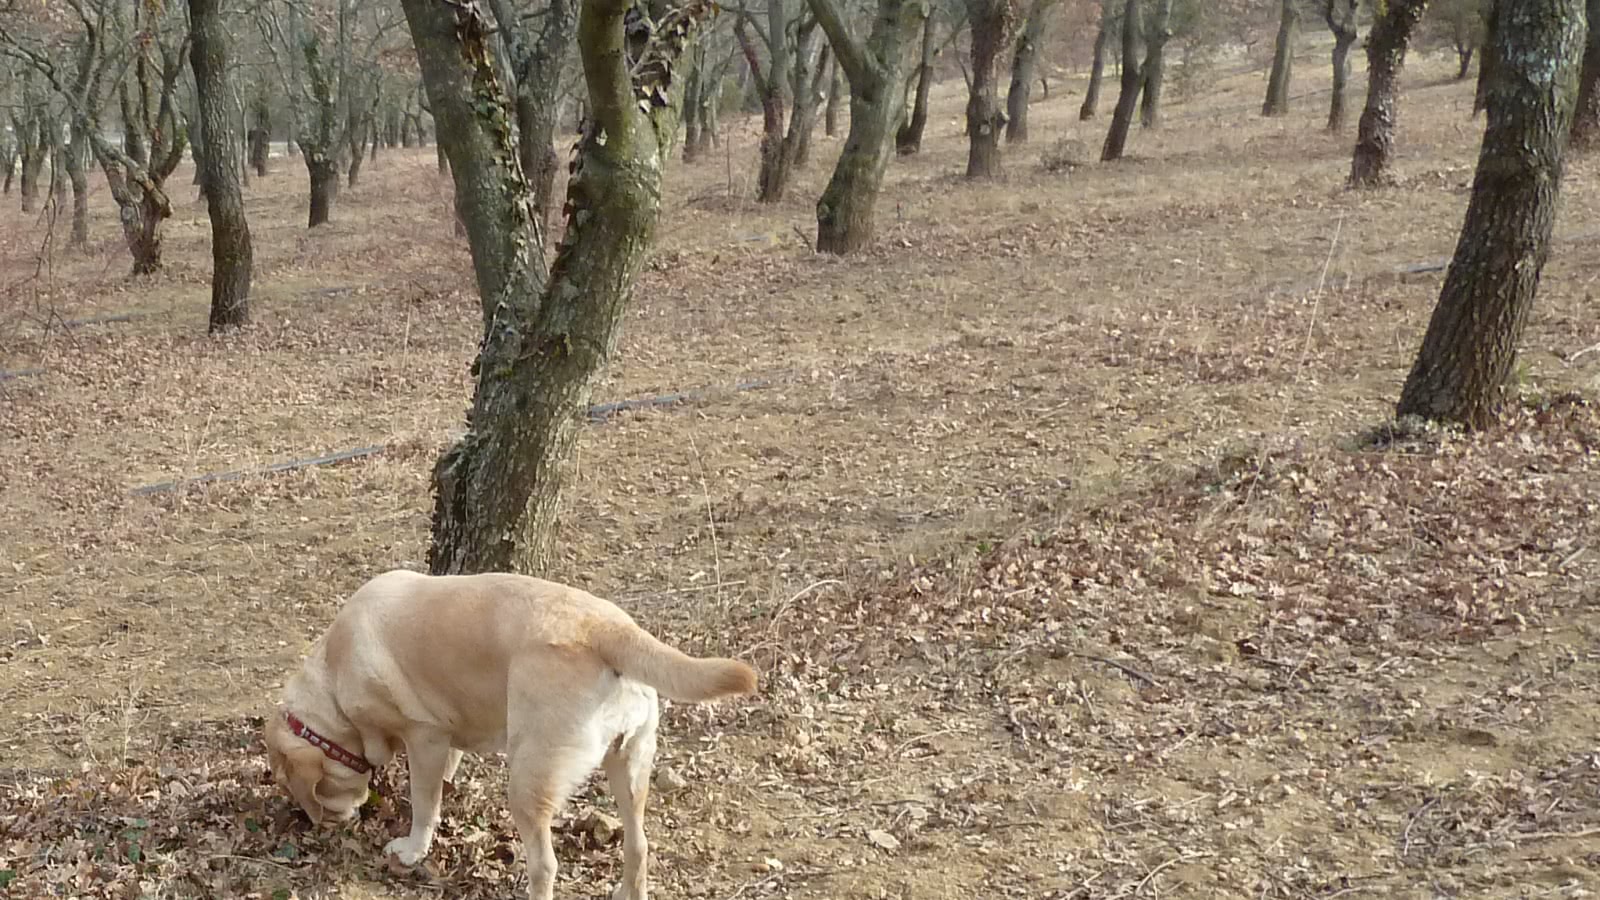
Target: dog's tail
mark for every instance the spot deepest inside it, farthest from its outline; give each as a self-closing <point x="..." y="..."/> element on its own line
<point x="639" y="655"/>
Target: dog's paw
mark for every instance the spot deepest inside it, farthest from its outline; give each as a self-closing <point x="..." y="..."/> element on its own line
<point x="406" y="851"/>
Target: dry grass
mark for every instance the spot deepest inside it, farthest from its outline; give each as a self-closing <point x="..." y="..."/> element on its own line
<point x="1052" y="535"/>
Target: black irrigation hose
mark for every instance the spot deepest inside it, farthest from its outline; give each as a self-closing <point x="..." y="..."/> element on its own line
<point x="21" y="373"/>
<point x="597" y="414"/>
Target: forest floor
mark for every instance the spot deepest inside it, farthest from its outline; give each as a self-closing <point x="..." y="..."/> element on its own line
<point x="1065" y="533"/>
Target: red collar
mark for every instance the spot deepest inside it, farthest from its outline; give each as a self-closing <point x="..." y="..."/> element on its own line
<point x="333" y="751"/>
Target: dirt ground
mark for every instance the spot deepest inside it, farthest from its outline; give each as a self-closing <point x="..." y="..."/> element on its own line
<point x="1060" y="530"/>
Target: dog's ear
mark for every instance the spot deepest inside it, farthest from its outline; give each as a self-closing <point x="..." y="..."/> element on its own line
<point x="304" y="773"/>
<point x="295" y="765"/>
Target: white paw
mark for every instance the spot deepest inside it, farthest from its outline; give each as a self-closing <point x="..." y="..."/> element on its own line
<point x="407" y="851"/>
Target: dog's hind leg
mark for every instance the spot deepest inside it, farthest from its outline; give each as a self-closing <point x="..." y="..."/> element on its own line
<point x="427" y="757"/>
<point x="628" y="772"/>
<point x="542" y="777"/>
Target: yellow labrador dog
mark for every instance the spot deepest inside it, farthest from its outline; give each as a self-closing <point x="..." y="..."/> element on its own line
<point x="560" y="680"/>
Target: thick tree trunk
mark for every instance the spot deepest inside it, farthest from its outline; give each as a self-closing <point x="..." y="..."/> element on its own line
<point x="1155" y="65"/>
<point x="498" y="488"/>
<point x="1470" y="347"/>
<point x="1097" y="71"/>
<point x="876" y="72"/>
<point x="77" y="160"/>
<point x="991" y="22"/>
<point x="1586" y="118"/>
<point x="1023" y="62"/>
<point x="908" y="137"/>
<point x="1132" y="82"/>
<point x="1386" y="56"/>
<point x="141" y="228"/>
<point x="1341" y="18"/>
<point x="1277" y="102"/>
<point x="231" y="255"/>
<point x="772" y="179"/>
<point x="323" y="170"/>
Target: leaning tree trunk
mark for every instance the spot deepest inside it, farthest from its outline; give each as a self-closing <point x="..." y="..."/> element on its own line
<point x="78" y="173"/>
<point x="1586" y="118"/>
<point x="908" y="137"/>
<point x="1155" y="65"/>
<point x="322" y="167"/>
<point x="231" y="256"/>
<point x="1341" y="18"/>
<point x="1386" y="56"/>
<point x="1132" y="81"/>
<point x="498" y="488"/>
<point x="1277" y="102"/>
<point x="1470" y="347"/>
<point x="876" y="72"/>
<point x="1023" y="62"/>
<point x="1097" y="71"/>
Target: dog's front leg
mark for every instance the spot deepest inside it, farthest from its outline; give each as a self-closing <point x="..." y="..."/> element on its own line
<point x="427" y="756"/>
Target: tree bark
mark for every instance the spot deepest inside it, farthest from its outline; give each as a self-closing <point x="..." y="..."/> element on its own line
<point x="991" y="22"/>
<point x="1155" y="64"/>
<point x="1341" y="18"/>
<point x="323" y="171"/>
<point x="809" y="69"/>
<point x="498" y="488"/>
<point x="1023" y="62"/>
<point x="908" y="137"/>
<point x="1586" y="118"/>
<point x="77" y="159"/>
<point x="1132" y="82"/>
<point x="830" y="115"/>
<point x="772" y="87"/>
<point x="1386" y="56"/>
<point x="1097" y="71"/>
<point x="1470" y="347"/>
<point x="876" y="73"/>
<point x="35" y="148"/>
<point x="1277" y="102"/>
<point x="231" y="255"/>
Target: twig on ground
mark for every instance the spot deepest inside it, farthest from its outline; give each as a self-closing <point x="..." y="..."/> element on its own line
<point x="1122" y="667"/>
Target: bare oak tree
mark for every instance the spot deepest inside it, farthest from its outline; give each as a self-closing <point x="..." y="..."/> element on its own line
<point x="1586" y="118"/>
<point x="1097" y="67"/>
<point x="231" y="255"/>
<point x="1471" y="344"/>
<point x="1024" y="60"/>
<point x="1277" y="102"/>
<point x="1341" y="18"/>
<point x="991" y="23"/>
<point x="875" y="69"/>
<point x="908" y="137"/>
<point x="546" y="335"/>
<point x="1132" y="83"/>
<point x="1386" y="56"/>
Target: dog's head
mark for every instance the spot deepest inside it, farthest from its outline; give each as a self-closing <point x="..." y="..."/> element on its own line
<point x="326" y="790"/>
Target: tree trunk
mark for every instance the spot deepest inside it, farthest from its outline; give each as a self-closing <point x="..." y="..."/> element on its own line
<point x="357" y="153"/>
<point x="1097" y="70"/>
<point x="691" y="106"/>
<point x="876" y="72"/>
<point x="323" y="169"/>
<point x="908" y="137"/>
<point x="1341" y="18"/>
<point x="830" y="116"/>
<point x="231" y="256"/>
<point x="991" y="22"/>
<point x="1464" y="58"/>
<point x="1277" y="102"/>
<point x="498" y="488"/>
<point x="772" y="90"/>
<point x="1132" y="81"/>
<point x="1155" y="65"/>
<point x="1470" y="347"/>
<point x="1386" y="56"/>
<point x="78" y="173"/>
<point x="1586" y="118"/>
<point x="35" y="148"/>
<point x="807" y="102"/>
<point x="1022" y="66"/>
<point x="141" y="228"/>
